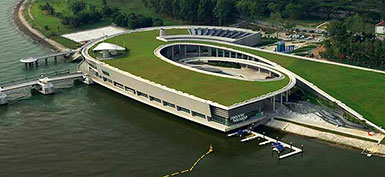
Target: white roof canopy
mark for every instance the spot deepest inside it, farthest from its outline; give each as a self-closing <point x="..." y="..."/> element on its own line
<point x="108" y="46"/>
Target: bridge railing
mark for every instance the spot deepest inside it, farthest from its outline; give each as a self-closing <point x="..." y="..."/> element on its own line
<point x="35" y="77"/>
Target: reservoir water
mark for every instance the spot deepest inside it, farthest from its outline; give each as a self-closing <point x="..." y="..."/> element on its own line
<point x="92" y="131"/>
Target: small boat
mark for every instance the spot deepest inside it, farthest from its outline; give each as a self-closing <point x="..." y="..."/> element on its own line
<point x="277" y="147"/>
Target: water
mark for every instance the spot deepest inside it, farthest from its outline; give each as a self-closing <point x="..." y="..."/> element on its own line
<point x="91" y="131"/>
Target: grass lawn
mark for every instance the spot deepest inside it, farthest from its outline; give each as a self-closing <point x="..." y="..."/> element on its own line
<point x="142" y="62"/>
<point x="51" y="26"/>
<point x="177" y="32"/>
<point x="363" y="91"/>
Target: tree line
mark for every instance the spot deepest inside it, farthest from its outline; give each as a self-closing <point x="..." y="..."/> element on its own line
<point x="220" y="12"/>
<point x="350" y="42"/>
<point x="85" y="14"/>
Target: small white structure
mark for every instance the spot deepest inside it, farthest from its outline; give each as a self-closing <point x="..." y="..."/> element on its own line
<point x="3" y="98"/>
<point x="380" y="28"/>
<point x="45" y="87"/>
<point x="87" y="79"/>
<point x="162" y="32"/>
<point x="108" y="49"/>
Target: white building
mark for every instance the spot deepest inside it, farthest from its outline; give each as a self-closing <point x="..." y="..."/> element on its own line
<point x="380" y="28"/>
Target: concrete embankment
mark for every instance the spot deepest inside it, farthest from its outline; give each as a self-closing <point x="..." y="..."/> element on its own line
<point x="25" y="27"/>
<point x="372" y="147"/>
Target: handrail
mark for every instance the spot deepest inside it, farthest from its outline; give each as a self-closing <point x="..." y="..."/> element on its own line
<point x="34" y="77"/>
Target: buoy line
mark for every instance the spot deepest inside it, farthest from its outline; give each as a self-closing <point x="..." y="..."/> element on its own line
<point x="193" y="166"/>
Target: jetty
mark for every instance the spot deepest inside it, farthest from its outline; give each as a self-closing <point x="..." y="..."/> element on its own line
<point x="42" y="83"/>
<point x="268" y="140"/>
<point x="30" y="61"/>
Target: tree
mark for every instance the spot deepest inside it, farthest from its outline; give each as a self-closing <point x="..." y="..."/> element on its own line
<point x="120" y="20"/>
<point x="48" y="8"/>
<point x="274" y="7"/>
<point x="107" y="11"/>
<point x="165" y="7"/>
<point x="244" y="8"/>
<point x="205" y="9"/>
<point x="175" y="7"/>
<point x="336" y="29"/>
<point x="276" y="19"/>
<point x="293" y="11"/>
<point x="77" y="6"/>
<point x="188" y="10"/>
<point x="356" y="24"/>
<point x="257" y="9"/>
<point x="144" y="21"/>
<point x="327" y="9"/>
<point x="157" y="22"/>
<point x="223" y="11"/>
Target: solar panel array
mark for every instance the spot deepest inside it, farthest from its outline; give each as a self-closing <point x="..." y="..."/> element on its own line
<point x="226" y="33"/>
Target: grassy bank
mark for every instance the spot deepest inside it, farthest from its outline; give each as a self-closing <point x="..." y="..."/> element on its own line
<point x="52" y="27"/>
<point x="177" y="32"/>
<point x="364" y="91"/>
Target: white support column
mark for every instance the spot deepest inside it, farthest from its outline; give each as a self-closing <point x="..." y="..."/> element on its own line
<point x="287" y="96"/>
<point x="3" y="98"/>
<point x="184" y="51"/>
<point x="172" y="53"/>
<point x="273" y="103"/>
<point x="87" y="79"/>
<point x="45" y="87"/>
<point x="199" y="50"/>
<point x="236" y="54"/>
<point x="281" y="99"/>
<point x="216" y="51"/>
<point x="210" y="51"/>
<point x="180" y="51"/>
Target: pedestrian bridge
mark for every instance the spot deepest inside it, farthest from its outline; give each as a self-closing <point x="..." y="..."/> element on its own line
<point x="34" y="60"/>
<point x="42" y="83"/>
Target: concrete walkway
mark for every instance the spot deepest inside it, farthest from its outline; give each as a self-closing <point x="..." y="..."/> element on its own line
<point x="326" y="136"/>
<point x="315" y="120"/>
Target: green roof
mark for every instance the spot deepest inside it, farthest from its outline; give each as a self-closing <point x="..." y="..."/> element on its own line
<point x="141" y="61"/>
<point x="363" y="91"/>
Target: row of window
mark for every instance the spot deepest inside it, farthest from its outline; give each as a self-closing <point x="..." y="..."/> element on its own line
<point x="141" y="94"/>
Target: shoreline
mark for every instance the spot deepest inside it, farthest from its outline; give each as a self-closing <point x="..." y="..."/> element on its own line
<point x="27" y="29"/>
<point x="335" y="139"/>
